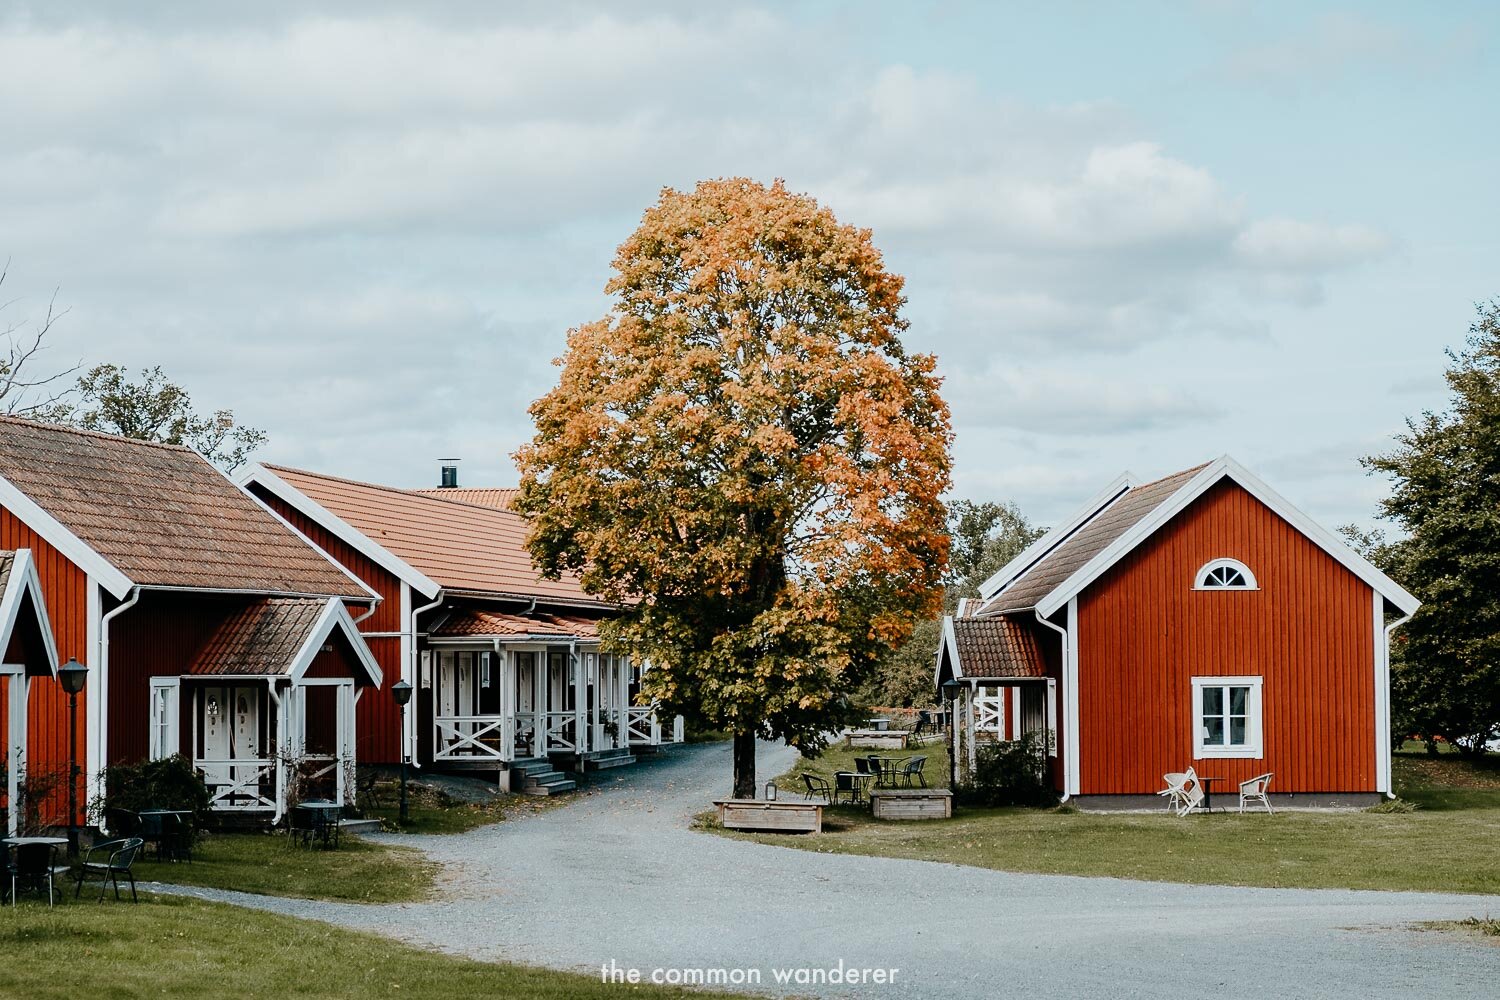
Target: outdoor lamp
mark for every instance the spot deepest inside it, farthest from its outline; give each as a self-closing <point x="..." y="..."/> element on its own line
<point x="401" y="694"/>
<point x="770" y="791"/>
<point x="951" y="689"/>
<point x="71" y="675"/>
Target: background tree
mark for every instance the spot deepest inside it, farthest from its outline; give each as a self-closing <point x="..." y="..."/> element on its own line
<point x="24" y="391"/>
<point x="983" y="538"/>
<point x="1446" y="497"/>
<point x="155" y="409"/>
<point x="743" y="455"/>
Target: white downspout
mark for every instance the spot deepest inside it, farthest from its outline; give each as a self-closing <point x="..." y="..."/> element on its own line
<point x="1063" y="632"/>
<point x="102" y="680"/>
<point x="1390" y="768"/>
<point x="281" y="731"/>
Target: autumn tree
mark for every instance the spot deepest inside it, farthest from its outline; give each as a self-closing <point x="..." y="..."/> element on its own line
<point x="743" y="455"/>
<point x="1445" y="471"/>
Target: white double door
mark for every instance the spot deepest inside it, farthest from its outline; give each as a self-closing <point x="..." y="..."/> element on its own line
<point x="231" y="730"/>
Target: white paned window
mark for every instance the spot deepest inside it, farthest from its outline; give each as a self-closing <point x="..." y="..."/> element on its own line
<point x="1226" y="717"/>
<point x="163" y="717"/>
<point x="1225" y="574"/>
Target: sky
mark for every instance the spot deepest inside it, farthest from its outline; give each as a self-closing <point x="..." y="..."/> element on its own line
<point x="1135" y="239"/>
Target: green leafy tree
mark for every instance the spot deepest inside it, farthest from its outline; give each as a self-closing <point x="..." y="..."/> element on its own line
<point x="1445" y="472"/>
<point x="746" y="458"/>
<point x="983" y="538"/>
<point x="153" y="408"/>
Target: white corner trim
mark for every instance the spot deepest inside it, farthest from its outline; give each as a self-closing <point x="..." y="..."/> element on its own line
<point x="75" y="549"/>
<point x="1383" y="746"/>
<point x="1218" y="469"/>
<point x="340" y="528"/>
<point x="950" y="643"/>
<point x="1034" y="552"/>
<point x="334" y="615"/>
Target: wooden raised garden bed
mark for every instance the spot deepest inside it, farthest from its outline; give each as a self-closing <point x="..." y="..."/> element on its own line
<point x="878" y="739"/>
<point x="911" y="803"/>
<point x="773" y="817"/>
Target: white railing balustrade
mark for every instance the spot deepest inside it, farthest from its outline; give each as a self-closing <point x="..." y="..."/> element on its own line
<point x="678" y="729"/>
<point x="240" y="785"/>
<point x="559" y="731"/>
<point x="641" y="725"/>
<point x="463" y="737"/>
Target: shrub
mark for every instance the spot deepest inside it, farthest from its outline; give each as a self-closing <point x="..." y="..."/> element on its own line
<point x="1008" y="774"/>
<point x="168" y="783"/>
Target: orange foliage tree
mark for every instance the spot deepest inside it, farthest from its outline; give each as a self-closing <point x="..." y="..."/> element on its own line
<point x="746" y="459"/>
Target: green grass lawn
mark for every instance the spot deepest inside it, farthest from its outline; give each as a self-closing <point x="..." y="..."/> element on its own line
<point x="273" y="865"/>
<point x="432" y="812"/>
<point x="1449" y="843"/>
<point x="167" y="947"/>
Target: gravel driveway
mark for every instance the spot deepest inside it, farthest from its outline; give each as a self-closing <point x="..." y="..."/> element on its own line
<point x="616" y="876"/>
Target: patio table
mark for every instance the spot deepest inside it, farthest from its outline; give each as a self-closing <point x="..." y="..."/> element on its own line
<point x="1208" y="791"/>
<point x="887" y="769"/>
<point x="324" y="814"/>
<point x="53" y="842"/>
<point x="154" y="829"/>
<point x="852" y="781"/>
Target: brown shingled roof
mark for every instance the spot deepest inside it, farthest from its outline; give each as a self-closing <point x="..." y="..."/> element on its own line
<point x="491" y="496"/>
<point x="261" y="639"/>
<point x="483" y="622"/>
<point x="1132" y="507"/>
<point x="460" y="546"/>
<point x="997" y="647"/>
<point x="161" y="514"/>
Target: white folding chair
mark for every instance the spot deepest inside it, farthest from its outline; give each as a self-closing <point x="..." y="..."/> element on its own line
<point x="1255" y="790"/>
<point x="1176" y="784"/>
<point x="1192" y="794"/>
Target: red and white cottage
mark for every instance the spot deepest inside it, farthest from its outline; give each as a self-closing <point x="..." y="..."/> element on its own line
<point x="1200" y="619"/>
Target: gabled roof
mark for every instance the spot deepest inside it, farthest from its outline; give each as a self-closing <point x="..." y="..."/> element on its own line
<point x="21" y="599"/>
<point x="279" y="637"/>
<point x="490" y="496"/>
<point x="156" y="515"/>
<point x="460" y="547"/>
<point x="1116" y="527"/>
<point x="485" y="623"/>
<point x="998" y="648"/>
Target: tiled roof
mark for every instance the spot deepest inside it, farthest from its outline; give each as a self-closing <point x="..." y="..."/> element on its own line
<point x="997" y="647"/>
<point x="1133" y="506"/>
<point x="7" y="560"/>
<point x="483" y="622"/>
<point x="161" y="514"/>
<point x="261" y="639"/>
<point x="494" y="496"/>
<point x="460" y="546"/>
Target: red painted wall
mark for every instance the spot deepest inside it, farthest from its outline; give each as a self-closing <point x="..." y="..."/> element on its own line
<point x="1308" y="631"/>
<point x="377" y="722"/>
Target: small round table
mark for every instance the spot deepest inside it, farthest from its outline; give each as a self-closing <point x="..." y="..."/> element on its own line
<point x="1208" y="791"/>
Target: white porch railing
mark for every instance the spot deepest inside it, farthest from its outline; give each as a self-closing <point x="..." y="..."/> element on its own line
<point x="559" y="732"/>
<point x="642" y="728"/>
<point x="464" y="737"/>
<point x="240" y="785"/>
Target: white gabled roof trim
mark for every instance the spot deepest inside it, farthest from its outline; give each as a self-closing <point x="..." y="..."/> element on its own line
<point x="1190" y="491"/>
<point x="949" y="643"/>
<point x="75" y="549"/>
<point x="1039" y="549"/>
<point x="342" y="529"/>
<point x="334" y="616"/>
<point x="24" y="580"/>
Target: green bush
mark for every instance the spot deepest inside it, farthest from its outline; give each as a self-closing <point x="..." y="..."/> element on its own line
<point x="168" y="783"/>
<point x="1008" y="774"/>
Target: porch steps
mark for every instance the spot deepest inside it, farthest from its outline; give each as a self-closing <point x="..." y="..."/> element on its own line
<point x="609" y="758"/>
<point x="538" y="778"/>
<point x="359" y="825"/>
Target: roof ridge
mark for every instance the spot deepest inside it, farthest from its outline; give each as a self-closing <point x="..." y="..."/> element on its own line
<point x="407" y="491"/>
<point x="1171" y="475"/>
<point x="85" y="432"/>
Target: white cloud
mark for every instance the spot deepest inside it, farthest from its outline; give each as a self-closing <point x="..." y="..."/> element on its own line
<point x="1293" y="245"/>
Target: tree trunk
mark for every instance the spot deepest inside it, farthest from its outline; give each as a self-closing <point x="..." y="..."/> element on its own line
<point x="744" y="765"/>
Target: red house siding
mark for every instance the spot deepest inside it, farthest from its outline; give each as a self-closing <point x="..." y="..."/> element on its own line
<point x="65" y="588"/>
<point x="1308" y="631"/>
<point x="377" y="722"/>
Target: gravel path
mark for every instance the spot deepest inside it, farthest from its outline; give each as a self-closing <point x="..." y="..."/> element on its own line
<point x="617" y="876"/>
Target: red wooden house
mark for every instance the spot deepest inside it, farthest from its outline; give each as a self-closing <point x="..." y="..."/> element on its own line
<point x="1200" y="620"/>
<point x="510" y="676"/>
<point x="208" y="626"/>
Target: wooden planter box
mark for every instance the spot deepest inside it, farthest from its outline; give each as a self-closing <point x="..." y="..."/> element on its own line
<point x="774" y="817"/>
<point x="878" y="739"/>
<point x="911" y="803"/>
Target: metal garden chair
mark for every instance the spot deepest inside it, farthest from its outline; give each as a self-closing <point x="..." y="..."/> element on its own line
<point x="122" y="855"/>
<point x="816" y="787"/>
<point x="33" y="867"/>
<point x="1255" y="790"/>
<point x="913" y="769"/>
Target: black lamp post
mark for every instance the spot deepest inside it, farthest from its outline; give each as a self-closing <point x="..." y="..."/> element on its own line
<point x="72" y="676"/>
<point x="950" y="696"/>
<point x="401" y="692"/>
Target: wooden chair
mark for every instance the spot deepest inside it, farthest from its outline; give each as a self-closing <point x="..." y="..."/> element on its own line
<point x="122" y="855"/>
<point x="1255" y="790"/>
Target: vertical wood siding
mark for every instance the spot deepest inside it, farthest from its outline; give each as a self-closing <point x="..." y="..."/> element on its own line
<point x="65" y="589"/>
<point x="1308" y="631"/>
<point x="377" y="722"/>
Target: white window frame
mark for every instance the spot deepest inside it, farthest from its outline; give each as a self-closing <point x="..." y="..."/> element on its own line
<point x="1200" y="581"/>
<point x="163" y="716"/>
<point x="484" y="670"/>
<point x="1254" y="747"/>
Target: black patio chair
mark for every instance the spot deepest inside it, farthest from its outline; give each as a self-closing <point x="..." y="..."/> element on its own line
<point x="151" y="828"/>
<point x="816" y="787"/>
<point x="123" y="822"/>
<point x="925" y="723"/>
<point x="913" y="769"/>
<point x="862" y="766"/>
<point x="32" y="867"/>
<point x="121" y="857"/>
<point x="846" y="783"/>
<point x="366" y="794"/>
<point x="176" y="838"/>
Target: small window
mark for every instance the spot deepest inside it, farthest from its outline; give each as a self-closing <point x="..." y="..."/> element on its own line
<point x="1226" y="717"/>
<point x="1225" y="574"/>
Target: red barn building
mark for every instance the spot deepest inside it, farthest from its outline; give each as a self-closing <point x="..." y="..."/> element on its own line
<point x="1198" y="620"/>
<point x="208" y="626"/>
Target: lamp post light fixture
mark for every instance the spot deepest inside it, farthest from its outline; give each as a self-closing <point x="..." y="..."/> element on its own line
<point x="770" y="791"/>
<point x="72" y="675"/>
<point x="401" y="693"/>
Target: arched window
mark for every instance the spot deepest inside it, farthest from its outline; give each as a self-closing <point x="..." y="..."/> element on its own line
<point x="1225" y="574"/>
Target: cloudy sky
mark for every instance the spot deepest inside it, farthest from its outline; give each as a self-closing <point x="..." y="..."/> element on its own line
<point x="1133" y="240"/>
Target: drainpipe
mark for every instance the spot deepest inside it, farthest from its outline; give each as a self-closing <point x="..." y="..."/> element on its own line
<point x="102" y="679"/>
<point x="412" y="669"/>
<point x="1390" y="768"/>
<point x="280" y="739"/>
<point x="373" y="605"/>
<point x="1063" y="632"/>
